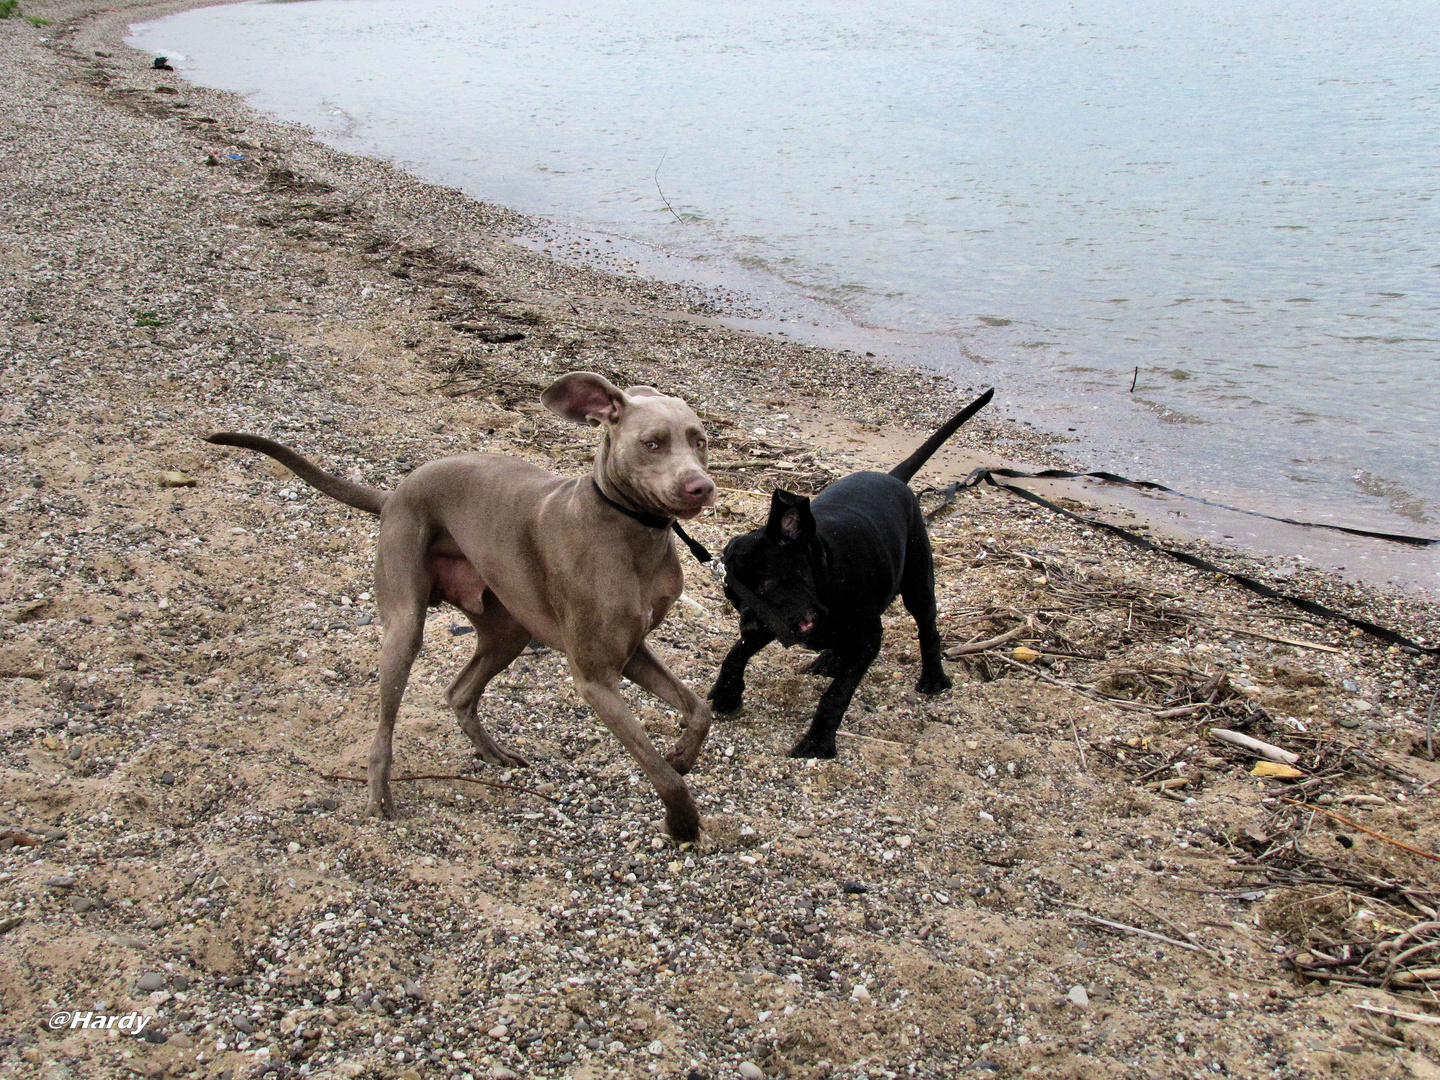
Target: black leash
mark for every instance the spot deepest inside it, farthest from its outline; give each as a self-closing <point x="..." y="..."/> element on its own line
<point x="1385" y="634"/>
<point x="763" y="611"/>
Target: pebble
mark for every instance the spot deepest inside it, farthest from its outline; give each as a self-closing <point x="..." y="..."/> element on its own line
<point x="1078" y="996"/>
<point x="62" y="881"/>
<point x="242" y="1023"/>
<point x="750" y="1071"/>
<point x="82" y="904"/>
<point x="854" y="888"/>
<point x="151" y="980"/>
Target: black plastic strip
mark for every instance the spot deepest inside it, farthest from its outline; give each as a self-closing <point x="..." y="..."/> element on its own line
<point x="1151" y="485"/>
<point x="1385" y="634"/>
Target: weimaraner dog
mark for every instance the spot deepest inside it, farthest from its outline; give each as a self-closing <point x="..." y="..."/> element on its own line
<point x="586" y="565"/>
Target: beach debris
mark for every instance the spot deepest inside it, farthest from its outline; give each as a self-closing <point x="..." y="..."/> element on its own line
<point x="1264" y="749"/>
<point x="1276" y="770"/>
<point x="175" y="479"/>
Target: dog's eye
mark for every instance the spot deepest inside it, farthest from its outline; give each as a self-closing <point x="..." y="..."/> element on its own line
<point x="651" y="444"/>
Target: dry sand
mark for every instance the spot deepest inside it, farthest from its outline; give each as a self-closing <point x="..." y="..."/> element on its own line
<point x="182" y="667"/>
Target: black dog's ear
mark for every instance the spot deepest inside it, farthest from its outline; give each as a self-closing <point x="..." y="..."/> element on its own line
<point x="790" y="518"/>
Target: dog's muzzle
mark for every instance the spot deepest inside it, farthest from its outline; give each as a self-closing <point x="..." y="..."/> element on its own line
<point x="772" y="619"/>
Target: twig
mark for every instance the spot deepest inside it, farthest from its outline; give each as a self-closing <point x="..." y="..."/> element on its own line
<point x="988" y="643"/>
<point x="1143" y="933"/>
<point x="1368" y="832"/>
<point x="1419" y="1018"/>
<point x="1368" y="1032"/>
<point x="1075" y="734"/>
<point x="1282" y="640"/>
<point x="1183" y="710"/>
<point x="1176" y="927"/>
<point x="662" y="193"/>
<point x="1135" y="379"/>
<point x="870" y="738"/>
<point x="1430" y="727"/>
<point x="1128" y="706"/>
<point x="451" y="776"/>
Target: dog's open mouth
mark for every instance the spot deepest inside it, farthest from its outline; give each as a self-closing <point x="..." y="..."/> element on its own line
<point x="805" y="625"/>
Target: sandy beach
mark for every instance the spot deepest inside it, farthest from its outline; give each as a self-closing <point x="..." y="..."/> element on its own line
<point x="1052" y="869"/>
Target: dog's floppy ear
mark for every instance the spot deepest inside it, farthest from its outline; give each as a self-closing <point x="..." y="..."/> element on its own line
<point x="584" y="397"/>
<point x="790" y="518"/>
<point x="642" y="391"/>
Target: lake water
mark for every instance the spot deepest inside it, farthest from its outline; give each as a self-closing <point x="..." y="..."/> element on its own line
<point x="1041" y="195"/>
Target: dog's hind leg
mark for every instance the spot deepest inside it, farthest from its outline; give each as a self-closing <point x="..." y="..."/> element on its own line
<point x="729" y="689"/>
<point x="402" y="588"/>
<point x="854" y="660"/>
<point x="917" y="589"/>
<point x="648" y="671"/>
<point x="827" y="665"/>
<point x="499" y="639"/>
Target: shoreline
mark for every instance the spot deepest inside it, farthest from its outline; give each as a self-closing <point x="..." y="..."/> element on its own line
<point x="814" y="323"/>
<point x="183" y="670"/>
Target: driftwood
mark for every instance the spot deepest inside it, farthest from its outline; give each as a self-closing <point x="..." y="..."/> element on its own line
<point x="1264" y="749"/>
<point x="988" y="643"/>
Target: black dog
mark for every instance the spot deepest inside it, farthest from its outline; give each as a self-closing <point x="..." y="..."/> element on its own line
<point x="822" y="573"/>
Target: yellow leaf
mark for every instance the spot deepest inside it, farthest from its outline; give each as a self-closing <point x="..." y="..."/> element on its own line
<point x="1024" y="655"/>
<point x="1275" y="769"/>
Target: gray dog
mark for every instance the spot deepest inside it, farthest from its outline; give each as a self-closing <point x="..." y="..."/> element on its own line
<point x="586" y="565"/>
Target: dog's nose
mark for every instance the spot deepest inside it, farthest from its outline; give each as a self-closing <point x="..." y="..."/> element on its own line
<point x="700" y="488"/>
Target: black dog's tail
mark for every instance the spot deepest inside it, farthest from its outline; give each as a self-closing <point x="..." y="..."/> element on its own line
<point x="360" y="497"/>
<point x="911" y="465"/>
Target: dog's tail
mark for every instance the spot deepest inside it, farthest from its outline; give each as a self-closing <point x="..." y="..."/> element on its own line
<point x="911" y="465"/>
<point x="360" y="497"/>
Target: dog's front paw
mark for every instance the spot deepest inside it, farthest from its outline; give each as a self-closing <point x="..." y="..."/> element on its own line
<point x="502" y="757"/>
<point x="725" y="699"/>
<point x="383" y="808"/>
<point x="683" y="824"/>
<point x="827" y="665"/>
<point x="812" y="746"/>
<point x="933" y="684"/>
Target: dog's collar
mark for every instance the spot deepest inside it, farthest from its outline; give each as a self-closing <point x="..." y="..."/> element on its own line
<point x="656" y="521"/>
